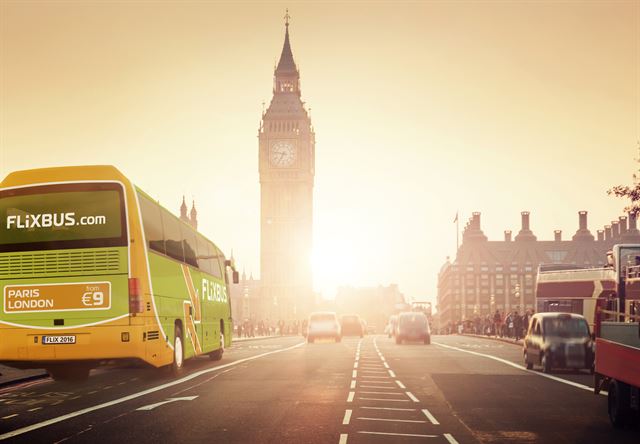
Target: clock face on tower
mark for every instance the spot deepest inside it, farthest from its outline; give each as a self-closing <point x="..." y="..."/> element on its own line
<point x="282" y="154"/>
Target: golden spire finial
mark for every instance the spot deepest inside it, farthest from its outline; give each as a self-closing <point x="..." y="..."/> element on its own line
<point x="286" y="18"/>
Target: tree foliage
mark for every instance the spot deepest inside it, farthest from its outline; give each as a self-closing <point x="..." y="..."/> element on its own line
<point x="631" y="192"/>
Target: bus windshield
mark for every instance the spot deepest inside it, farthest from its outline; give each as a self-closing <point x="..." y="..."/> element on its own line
<point x="62" y="216"/>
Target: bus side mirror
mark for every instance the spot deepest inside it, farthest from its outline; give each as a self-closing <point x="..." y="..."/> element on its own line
<point x="236" y="277"/>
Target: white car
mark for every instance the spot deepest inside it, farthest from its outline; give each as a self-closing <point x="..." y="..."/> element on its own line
<point x="324" y="324"/>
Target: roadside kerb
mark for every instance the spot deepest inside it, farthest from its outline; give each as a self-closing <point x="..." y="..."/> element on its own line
<point x="493" y="338"/>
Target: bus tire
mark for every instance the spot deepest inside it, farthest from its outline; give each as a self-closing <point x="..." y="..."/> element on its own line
<point x="177" y="366"/>
<point x="69" y="372"/>
<point x="216" y="355"/>
<point x="527" y="363"/>
<point x="618" y="403"/>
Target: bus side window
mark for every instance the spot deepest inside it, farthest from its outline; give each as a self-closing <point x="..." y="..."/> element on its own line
<point x="152" y="224"/>
<point x="212" y="262"/>
<point x="172" y="236"/>
<point x="218" y="264"/>
<point x="202" y="253"/>
<point x="189" y="245"/>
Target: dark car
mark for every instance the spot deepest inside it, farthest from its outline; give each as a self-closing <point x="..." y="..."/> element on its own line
<point x="351" y="325"/>
<point x="558" y="340"/>
<point x="413" y="326"/>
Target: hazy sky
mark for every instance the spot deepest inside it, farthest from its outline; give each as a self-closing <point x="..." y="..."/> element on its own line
<point x="421" y="109"/>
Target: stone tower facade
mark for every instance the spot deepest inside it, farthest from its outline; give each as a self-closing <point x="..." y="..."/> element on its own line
<point x="287" y="168"/>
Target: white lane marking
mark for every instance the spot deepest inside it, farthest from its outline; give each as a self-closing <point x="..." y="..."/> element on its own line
<point x="350" y="397"/>
<point x="353" y="384"/>
<point x="400" y="384"/>
<point x="385" y="399"/>
<point x="343" y="438"/>
<point x="167" y="401"/>
<point x="519" y="367"/>
<point x="34" y="409"/>
<point x="347" y="417"/>
<point x="10" y="416"/>
<point x="377" y="367"/>
<point x="430" y="417"/>
<point x="399" y="434"/>
<point x="374" y="372"/>
<point x="413" y="398"/>
<point x="392" y="374"/>
<point x="355" y="365"/>
<point x="375" y="377"/>
<point x="354" y="373"/>
<point x="391" y="420"/>
<point x="377" y="387"/>
<point x="381" y="393"/>
<point x="389" y="408"/>
<point x="386" y="365"/>
<point x="450" y="438"/>
<point x="58" y="419"/>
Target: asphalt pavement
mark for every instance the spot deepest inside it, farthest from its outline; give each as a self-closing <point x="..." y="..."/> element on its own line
<point x="281" y="390"/>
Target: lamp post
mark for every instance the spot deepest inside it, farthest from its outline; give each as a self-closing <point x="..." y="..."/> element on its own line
<point x="517" y="295"/>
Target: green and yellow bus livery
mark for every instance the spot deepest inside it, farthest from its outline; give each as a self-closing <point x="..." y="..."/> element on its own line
<point x="92" y="269"/>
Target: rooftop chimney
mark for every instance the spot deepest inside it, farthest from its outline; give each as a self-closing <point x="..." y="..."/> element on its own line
<point x="583" y="232"/>
<point x="615" y="229"/>
<point x="507" y="235"/>
<point x="623" y="225"/>
<point x="600" y="235"/>
<point x="473" y="231"/>
<point x="525" y="233"/>
<point x="608" y="234"/>
<point x="582" y="216"/>
<point x="632" y="234"/>
<point x="557" y="235"/>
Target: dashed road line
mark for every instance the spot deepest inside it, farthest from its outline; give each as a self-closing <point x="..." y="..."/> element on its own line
<point x="392" y="373"/>
<point x="377" y="387"/>
<point x="379" y="393"/>
<point x="430" y="417"/>
<point x="450" y="438"/>
<point x="388" y="408"/>
<point x="400" y="384"/>
<point x="353" y="384"/>
<point x="399" y="434"/>
<point x="413" y="398"/>
<point x="343" y="438"/>
<point x="34" y="409"/>
<point x="392" y="420"/>
<point x="354" y="373"/>
<point x="347" y="417"/>
<point x="384" y="399"/>
<point x="350" y="397"/>
<point x="10" y="416"/>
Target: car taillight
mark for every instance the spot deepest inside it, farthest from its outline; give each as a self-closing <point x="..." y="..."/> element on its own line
<point x="135" y="299"/>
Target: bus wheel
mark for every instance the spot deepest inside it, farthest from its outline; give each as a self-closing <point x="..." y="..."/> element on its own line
<point x="178" y="352"/>
<point x="527" y="363"/>
<point x="216" y="355"/>
<point x="618" y="403"/>
<point x="71" y="372"/>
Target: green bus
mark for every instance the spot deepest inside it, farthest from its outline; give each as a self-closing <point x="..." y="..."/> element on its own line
<point x="93" y="269"/>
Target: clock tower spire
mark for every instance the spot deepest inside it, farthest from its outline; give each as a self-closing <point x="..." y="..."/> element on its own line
<point x="287" y="168"/>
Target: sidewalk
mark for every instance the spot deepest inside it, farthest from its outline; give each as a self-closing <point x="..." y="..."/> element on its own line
<point x="495" y="338"/>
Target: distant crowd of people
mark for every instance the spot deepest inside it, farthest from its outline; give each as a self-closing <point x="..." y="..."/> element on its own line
<point x="250" y="328"/>
<point x="513" y="325"/>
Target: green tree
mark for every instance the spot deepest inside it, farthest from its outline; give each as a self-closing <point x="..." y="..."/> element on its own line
<point x="631" y="192"/>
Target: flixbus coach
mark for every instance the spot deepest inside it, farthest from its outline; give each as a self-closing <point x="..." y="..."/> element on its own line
<point x="92" y="270"/>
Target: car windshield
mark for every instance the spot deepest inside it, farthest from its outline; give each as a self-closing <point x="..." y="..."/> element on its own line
<point x="322" y="317"/>
<point x="569" y="328"/>
<point x="413" y="320"/>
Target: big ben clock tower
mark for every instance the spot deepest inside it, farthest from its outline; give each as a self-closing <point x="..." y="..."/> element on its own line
<point x="286" y="163"/>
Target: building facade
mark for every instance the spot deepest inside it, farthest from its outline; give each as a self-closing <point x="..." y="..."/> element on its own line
<point x="501" y="275"/>
<point x="287" y="168"/>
